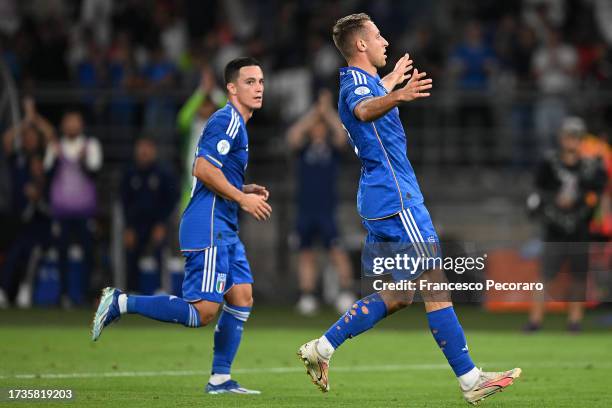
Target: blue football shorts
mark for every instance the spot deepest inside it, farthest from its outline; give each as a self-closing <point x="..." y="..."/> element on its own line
<point x="409" y="232"/>
<point x="211" y="273"/>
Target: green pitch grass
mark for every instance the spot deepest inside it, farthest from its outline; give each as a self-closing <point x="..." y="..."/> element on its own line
<point x="137" y="363"/>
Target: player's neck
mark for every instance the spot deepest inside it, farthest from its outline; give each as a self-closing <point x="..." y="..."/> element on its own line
<point x="245" y="112"/>
<point x="363" y="65"/>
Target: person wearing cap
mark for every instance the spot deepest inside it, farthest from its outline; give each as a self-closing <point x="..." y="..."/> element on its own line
<point x="567" y="190"/>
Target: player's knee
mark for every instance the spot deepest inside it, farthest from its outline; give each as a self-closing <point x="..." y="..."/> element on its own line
<point x="244" y="301"/>
<point x="240" y="295"/>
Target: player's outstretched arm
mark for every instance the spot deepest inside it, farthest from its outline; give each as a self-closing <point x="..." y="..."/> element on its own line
<point x="373" y="108"/>
<point x="253" y="203"/>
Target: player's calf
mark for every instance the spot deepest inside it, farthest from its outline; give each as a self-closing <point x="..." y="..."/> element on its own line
<point x="171" y="309"/>
<point x="360" y="317"/>
<point x="163" y="308"/>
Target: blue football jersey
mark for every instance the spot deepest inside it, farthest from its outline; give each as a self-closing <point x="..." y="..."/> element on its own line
<point x="210" y="219"/>
<point x="387" y="184"/>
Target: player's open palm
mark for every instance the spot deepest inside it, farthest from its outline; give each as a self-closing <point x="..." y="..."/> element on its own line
<point x="256" y="205"/>
<point x="416" y="87"/>
<point x="399" y="73"/>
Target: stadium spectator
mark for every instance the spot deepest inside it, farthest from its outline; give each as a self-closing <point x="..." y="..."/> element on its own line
<point x="23" y="147"/>
<point x="317" y="139"/>
<point x="160" y="74"/>
<point x="554" y="66"/>
<point x="97" y="14"/>
<point x="148" y="197"/>
<point x="324" y="62"/>
<point x="172" y="31"/>
<point x="72" y="163"/>
<point x="473" y="62"/>
<point x="541" y="15"/>
<point x="568" y="188"/>
<point x="91" y="75"/>
<point x="515" y="45"/>
<point x="123" y="78"/>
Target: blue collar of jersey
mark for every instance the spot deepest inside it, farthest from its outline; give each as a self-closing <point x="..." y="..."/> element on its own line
<point x="376" y="78"/>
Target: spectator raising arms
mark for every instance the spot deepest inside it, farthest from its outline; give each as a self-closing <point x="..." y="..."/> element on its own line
<point x="23" y="147"/>
<point x="318" y="138"/>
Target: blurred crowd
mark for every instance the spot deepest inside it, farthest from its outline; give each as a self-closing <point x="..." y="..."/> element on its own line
<point x="53" y="197"/>
<point x="98" y="78"/>
<point x="152" y="48"/>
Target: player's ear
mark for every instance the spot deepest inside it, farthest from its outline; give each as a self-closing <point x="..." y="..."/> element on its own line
<point x="231" y="88"/>
<point x="360" y="44"/>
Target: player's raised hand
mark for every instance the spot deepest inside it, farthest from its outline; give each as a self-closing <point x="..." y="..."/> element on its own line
<point x="415" y="87"/>
<point x="256" y="189"/>
<point x="256" y="205"/>
<point x="399" y="74"/>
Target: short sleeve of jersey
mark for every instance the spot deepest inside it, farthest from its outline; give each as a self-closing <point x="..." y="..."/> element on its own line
<point x="356" y="88"/>
<point x="218" y="137"/>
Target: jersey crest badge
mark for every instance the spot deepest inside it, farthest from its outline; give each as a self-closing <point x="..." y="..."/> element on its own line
<point x="362" y="90"/>
<point x="221" y="279"/>
<point x="223" y="147"/>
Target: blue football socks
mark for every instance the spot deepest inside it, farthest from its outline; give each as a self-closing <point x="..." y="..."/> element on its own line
<point x="448" y="333"/>
<point x="228" y="334"/>
<point x="362" y="316"/>
<point x="165" y="309"/>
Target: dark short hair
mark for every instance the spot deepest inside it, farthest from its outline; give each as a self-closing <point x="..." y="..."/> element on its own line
<point x="72" y="110"/>
<point x="233" y="67"/>
<point x="344" y="30"/>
